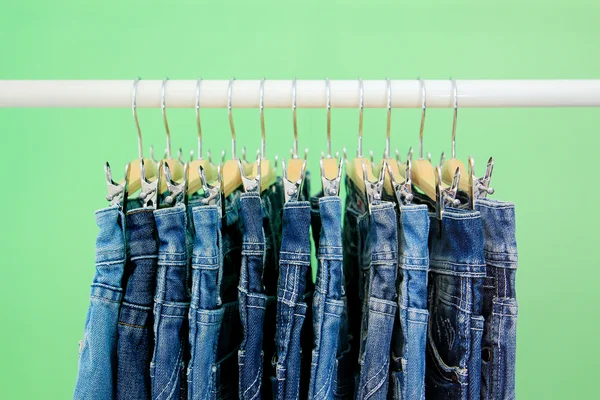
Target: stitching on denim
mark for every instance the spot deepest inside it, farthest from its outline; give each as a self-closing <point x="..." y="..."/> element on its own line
<point x="378" y="385"/>
<point x="132" y="325"/>
<point x="105" y="299"/>
<point x="174" y="374"/>
<point x="110" y="262"/>
<point x="150" y="257"/>
<point x="105" y="286"/>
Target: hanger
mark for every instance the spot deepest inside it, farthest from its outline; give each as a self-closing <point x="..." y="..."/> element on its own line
<point x="211" y="171"/>
<point x="117" y="192"/>
<point x="398" y="169"/>
<point x="354" y="168"/>
<point x="295" y="167"/>
<point x="331" y="169"/>
<point x="268" y="173"/>
<point x="135" y="172"/>
<point x="231" y="172"/>
<point x="423" y="174"/>
<point x="449" y="166"/>
<point x="175" y="166"/>
<point x="402" y="190"/>
<point x="479" y="187"/>
<point x="445" y="196"/>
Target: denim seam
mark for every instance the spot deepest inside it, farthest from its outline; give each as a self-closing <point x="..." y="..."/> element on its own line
<point x="458" y="306"/>
<point x="133" y="326"/>
<point x="105" y="299"/>
<point x="137" y="306"/>
<point x="110" y="262"/>
<point x="150" y="257"/>
<point x="379" y="384"/>
<point x="105" y="286"/>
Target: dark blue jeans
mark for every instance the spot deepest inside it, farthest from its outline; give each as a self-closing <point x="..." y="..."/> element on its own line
<point x="136" y="339"/>
<point x="379" y="309"/>
<point x="171" y="304"/>
<point x="328" y="299"/>
<point x="457" y="265"/>
<point x="97" y="368"/>
<point x="252" y="299"/>
<point x="410" y="328"/>
<point x="356" y="266"/>
<point x="499" y="300"/>
<point x="294" y="264"/>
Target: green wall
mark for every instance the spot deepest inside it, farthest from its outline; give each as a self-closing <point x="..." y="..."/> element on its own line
<point x="53" y="158"/>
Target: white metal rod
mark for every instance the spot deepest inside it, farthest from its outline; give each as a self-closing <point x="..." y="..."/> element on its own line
<point x="310" y="93"/>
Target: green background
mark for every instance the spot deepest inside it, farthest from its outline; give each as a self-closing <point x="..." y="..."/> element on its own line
<point x="53" y="158"/>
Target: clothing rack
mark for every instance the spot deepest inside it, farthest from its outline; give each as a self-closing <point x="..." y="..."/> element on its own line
<point x="310" y="93"/>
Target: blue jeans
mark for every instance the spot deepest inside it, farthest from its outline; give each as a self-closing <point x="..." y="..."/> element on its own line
<point x="171" y="304"/>
<point x="252" y="299"/>
<point x="97" y="371"/>
<point x="135" y="339"/>
<point x="499" y="300"/>
<point x="380" y="306"/>
<point x="294" y="264"/>
<point x="356" y="266"/>
<point x="410" y="329"/>
<point x="214" y="317"/>
<point x="457" y="265"/>
<point x="328" y="299"/>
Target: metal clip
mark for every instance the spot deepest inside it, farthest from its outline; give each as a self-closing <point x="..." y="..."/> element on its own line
<point x="117" y="193"/>
<point x="373" y="190"/>
<point x="291" y="190"/>
<point x="445" y="196"/>
<point x="479" y="188"/>
<point x="149" y="193"/>
<point x="213" y="194"/>
<point x="331" y="187"/>
<point x="177" y="191"/>
<point x="402" y="190"/>
<point x="251" y="185"/>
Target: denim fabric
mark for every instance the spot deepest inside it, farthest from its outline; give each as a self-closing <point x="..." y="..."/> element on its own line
<point x="455" y="329"/>
<point x="171" y="304"/>
<point x="252" y="299"/>
<point x="294" y="262"/>
<point x="380" y="308"/>
<point x="410" y="328"/>
<point x="499" y="300"/>
<point x="97" y="370"/>
<point x="328" y="305"/>
<point x="135" y="336"/>
<point x="356" y="266"/>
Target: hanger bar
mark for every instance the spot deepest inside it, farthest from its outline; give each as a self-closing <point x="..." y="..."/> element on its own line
<point x="310" y="93"/>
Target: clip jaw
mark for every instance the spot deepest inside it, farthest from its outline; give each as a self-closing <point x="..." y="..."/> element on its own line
<point x="213" y="194"/>
<point x="292" y="189"/>
<point x="479" y="188"/>
<point x="117" y="193"/>
<point x="149" y="192"/>
<point x="402" y="190"/>
<point x="331" y="187"/>
<point x="373" y="190"/>
<point x="177" y="191"/>
<point x="251" y="185"/>
<point x="445" y="196"/>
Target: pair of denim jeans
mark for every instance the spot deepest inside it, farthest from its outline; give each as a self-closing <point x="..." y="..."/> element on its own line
<point x="329" y="302"/>
<point x="97" y="370"/>
<point x="407" y="370"/>
<point x="499" y="300"/>
<point x="136" y="321"/>
<point x="214" y="335"/>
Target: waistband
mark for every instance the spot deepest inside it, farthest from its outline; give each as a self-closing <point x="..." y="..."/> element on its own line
<point x="295" y="245"/>
<point x="171" y="227"/>
<point x="383" y="233"/>
<point x="330" y="240"/>
<point x="141" y="234"/>
<point x="498" y="219"/>
<point x="110" y="242"/>
<point x="457" y="245"/>
<point x="413" y="233"/>
<point x="252" y="218"/>
<point x="207" y="223"/>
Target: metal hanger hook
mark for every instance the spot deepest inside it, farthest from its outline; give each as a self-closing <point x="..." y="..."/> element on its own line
<point x="455" y="93"/>
<point x="263" y="134"/>
<point x="164" y="115"/>
<point x="389" y="118"/>
<point x="229" y="106"/>
<point x="361" y="92"/>
<point x="328" y="93"/>
<point x="135" y="117"/>
<point x="198" y="124"/>
<point x="295" y="120"/>
<point x="423" y="110"/>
